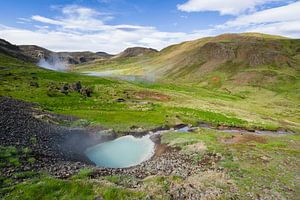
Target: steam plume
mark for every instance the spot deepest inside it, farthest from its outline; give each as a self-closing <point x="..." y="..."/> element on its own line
<point x="53" y="63"/>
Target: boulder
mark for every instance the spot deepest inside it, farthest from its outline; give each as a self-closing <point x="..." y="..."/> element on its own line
<point x="64" y="89"/>
<point x="120" y="100"/>
<point x="87" y="92"/>
<point x="76" y="86"/>
<point x="34" y="84"/>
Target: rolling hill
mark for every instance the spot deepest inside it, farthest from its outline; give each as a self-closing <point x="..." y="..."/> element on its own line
<point x="248" y="58"/>
<point x="239" y="92"/>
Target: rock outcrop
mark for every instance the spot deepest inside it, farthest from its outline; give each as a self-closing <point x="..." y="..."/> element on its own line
<point x="247" y="50"/>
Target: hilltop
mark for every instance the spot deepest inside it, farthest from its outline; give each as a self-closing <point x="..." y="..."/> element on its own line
<point x="135" y="51"/>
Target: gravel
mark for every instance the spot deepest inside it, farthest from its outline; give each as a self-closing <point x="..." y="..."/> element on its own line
<point x="60" y="150"/>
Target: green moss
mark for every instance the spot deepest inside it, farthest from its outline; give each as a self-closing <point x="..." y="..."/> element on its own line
<point x="49" y="188"/>
<point x="83" y="174"/>
<point x="111" y="193"/>
<point x="26" y="150"/>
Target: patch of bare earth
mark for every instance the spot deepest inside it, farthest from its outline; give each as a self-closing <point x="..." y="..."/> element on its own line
<point x="151" y="95"/>
<point x="245" y="77"/>
<point x="244" y="138"/>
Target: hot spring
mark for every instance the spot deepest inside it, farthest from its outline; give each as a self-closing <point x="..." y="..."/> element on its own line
<point x="122" y="152"/>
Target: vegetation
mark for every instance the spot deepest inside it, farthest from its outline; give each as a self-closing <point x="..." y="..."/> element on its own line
<point x="265" y="166"/>
<point x="247" y="166"/>
<point x="185" y="104"/>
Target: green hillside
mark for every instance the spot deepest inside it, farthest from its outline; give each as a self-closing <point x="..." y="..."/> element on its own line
<point x="255" y="69"/>
<point x="226" y="58"/>
<point x="246" y="81"/>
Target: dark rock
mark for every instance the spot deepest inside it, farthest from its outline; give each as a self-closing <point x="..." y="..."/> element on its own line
<point x="76" y="86"/>
<point x="155" y="138"/>
<point x="34" y="84"/>
<point x="82" y="59"/>
<point x="64" y="89"/>
<point x="120" y="100"/>
<point x="87" y="92"/>
<point x="134" y="127"/>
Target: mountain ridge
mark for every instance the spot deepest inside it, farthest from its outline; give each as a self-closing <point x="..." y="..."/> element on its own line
<point x="247" y="58"/>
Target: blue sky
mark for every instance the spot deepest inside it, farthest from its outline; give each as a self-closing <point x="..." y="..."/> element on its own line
<point x="113" y="25"/>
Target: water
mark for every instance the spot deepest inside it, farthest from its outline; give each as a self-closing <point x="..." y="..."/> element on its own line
<point x="122" y="152"/>
<point x="185" y="129"/>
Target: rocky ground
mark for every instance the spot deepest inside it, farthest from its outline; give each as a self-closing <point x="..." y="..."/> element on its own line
<point x="43" y="144"/>
<point x="24" y="126"/>
<point x="59" y="150"/>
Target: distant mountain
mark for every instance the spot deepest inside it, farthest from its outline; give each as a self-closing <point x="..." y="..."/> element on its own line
<point x="13" y="50"/>
<point x="135" y="51"/>
<point x="34" y="53"/>
<point x="37" y="52"/>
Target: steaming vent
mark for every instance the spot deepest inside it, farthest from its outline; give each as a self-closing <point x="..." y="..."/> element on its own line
<point x="53" y="62"/>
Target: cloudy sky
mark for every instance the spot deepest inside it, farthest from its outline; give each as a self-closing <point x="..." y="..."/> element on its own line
<point x="113" y="25"/>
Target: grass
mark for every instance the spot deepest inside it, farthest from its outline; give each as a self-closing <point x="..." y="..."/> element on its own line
<point x="267" y="96"/>
<point x="257" y="166"/>
<point x="102" y="108"/>
<point x="9" y="156"/>
<point x="265" y="169"/>
<point x="77" y="187"/>
<point x="50" y="188"/>
<point x="111" y="193"/>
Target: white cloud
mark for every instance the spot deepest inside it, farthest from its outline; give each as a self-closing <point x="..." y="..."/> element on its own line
<point x="290" y="29"/>
<point x="231" y="7"/>
<point x="112" y="41"/>
<point x="76" y="18"/>
<point x="81" y="28"/>
<point x="284" y="20"/>
<point x="46" y="20"/>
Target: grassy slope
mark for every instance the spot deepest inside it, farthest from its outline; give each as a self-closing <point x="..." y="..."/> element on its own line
<point x="102" y="108"/>
<point x="251" y="167"/>
<point x="264" y="93"/>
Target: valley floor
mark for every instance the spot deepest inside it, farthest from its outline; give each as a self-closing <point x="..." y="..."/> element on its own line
<point x="220" y="165"/>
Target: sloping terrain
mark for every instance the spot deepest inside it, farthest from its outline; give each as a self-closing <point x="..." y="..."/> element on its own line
<point x="225" y="58"/>
<point x="13" y="50"/>
<point x="252" y="90"/>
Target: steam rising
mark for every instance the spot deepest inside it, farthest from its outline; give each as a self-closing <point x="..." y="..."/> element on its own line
<point x="53" y="63"/>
